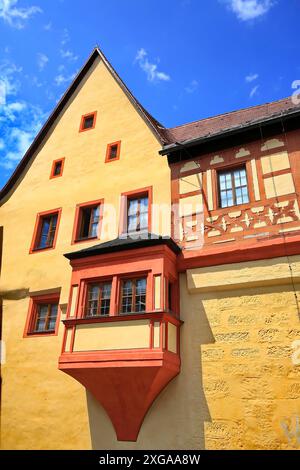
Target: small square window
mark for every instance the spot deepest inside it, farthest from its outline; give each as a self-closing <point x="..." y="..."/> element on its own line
<point x="42" y="315"/>
<point x="45" y="232"/>
<point x="113" y="151"/>
<point x="87" y="221"/>
<point x="233" y="187"/>
<point x="57" y="168"/>
<point x="88" y="121"/>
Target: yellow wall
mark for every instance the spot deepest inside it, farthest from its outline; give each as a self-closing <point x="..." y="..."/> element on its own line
<point x="118" y="335"/>
<point x="38" y="401"/>
<point x="250" y="383"/>
<point x="238" y="387"/>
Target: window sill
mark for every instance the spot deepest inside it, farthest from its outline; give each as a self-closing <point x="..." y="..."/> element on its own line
<point x="37" y="250"/>
<point x="40" y="334"/>
<point x="82" y="240"/>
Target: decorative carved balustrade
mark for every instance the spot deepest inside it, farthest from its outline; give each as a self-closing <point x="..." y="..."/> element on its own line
<point x="242" y="222"/>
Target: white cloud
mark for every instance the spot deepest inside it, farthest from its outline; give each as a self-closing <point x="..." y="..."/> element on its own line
<point x="61" y="79"/>
<point x="17" y="106"/>
<point x="35" y="81"/>
<point x="67" y="54"/>
<point x="153" y="75"/>
<point x="247" y="10"/>
<point x="14" y="16"/>
<point x="2" y="92"/>
<point x="42" y="60"/>
<point x="9" y="84"/>
<point x="192" y="87"/>
<point x="65" y="37"/>
<point x="253" y="92"/>
<point x="251" y="77"/>
<point x="48" y="26"/>
<point x="20" y="120"/>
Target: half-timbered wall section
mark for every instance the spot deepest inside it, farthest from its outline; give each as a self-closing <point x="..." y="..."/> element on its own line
<point x="271" y="199"/>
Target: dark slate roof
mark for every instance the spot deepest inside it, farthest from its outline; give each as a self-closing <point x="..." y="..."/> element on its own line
<point x="121" y="244"/>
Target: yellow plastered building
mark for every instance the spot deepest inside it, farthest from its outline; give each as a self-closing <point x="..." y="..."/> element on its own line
<point x="150" y="278"/>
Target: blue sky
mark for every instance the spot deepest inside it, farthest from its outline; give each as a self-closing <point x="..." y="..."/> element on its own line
<point x="183" y="59"/>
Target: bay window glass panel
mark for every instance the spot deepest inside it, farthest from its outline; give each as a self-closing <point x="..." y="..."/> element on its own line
<point x="140" y="297"/>
<point x="127" y="296"/>
<point x="133" y="296"/>
<point x="98" y="299"/>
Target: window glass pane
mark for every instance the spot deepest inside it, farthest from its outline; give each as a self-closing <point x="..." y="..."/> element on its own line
<point x="46" y="317"/>
<point x="88" y="122"/>
<point x="48" y="228"/>
<point x="132" y="206"/>
<point x="222" y="182"/>
<point x="144" y="221"/>
<point x="94" y="230"/>
<point x="144" y="204"/>
<point x="132" y="223"/>
<point x="40" y="325"/>
<point x="140" y="286"/>
<point x="92" y="303"/>
<point x="238" y="194"/>
<point x="140" y="300"/>
<point x="106" y="289"/>
<point x="113" y="151"/>
<point x="98" y="300"/>
<point x="96" y="213"/>
<point x="137" y="214"/>
<point x="51" y="324"/>
<point x="126" y="297"/>
<point x="228" y="180"/>
<point x="53" y="311"/>
<point x="52" y="230"/>
<point x="42" y="311"/>
<point x="44" y="233"/>
<point x="85" y="222"/>
<point x="57" y="168"/>
<point x="105" y="299"/>
<point x="89" y="222"/>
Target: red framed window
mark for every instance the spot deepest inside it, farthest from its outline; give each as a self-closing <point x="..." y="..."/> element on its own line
<point x="98" y="299"/>
<point x="57" y="168"/>
<point x="137" y="213"/>
<point x="113" y="151"/>
<point x="43" y="316"/>
<point x="133" y="295"/>
<point x="88" y="121"/>
<point x="87" y="221"/>
<point x="233" y="187"/>
<point x="45" y="231"/>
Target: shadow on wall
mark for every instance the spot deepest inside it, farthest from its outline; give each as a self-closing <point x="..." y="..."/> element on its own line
<point x="176" y="418"/>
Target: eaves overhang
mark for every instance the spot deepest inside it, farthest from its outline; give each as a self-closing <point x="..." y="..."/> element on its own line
<point x="230" y="132"/>
<point x="123" y="244"/>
